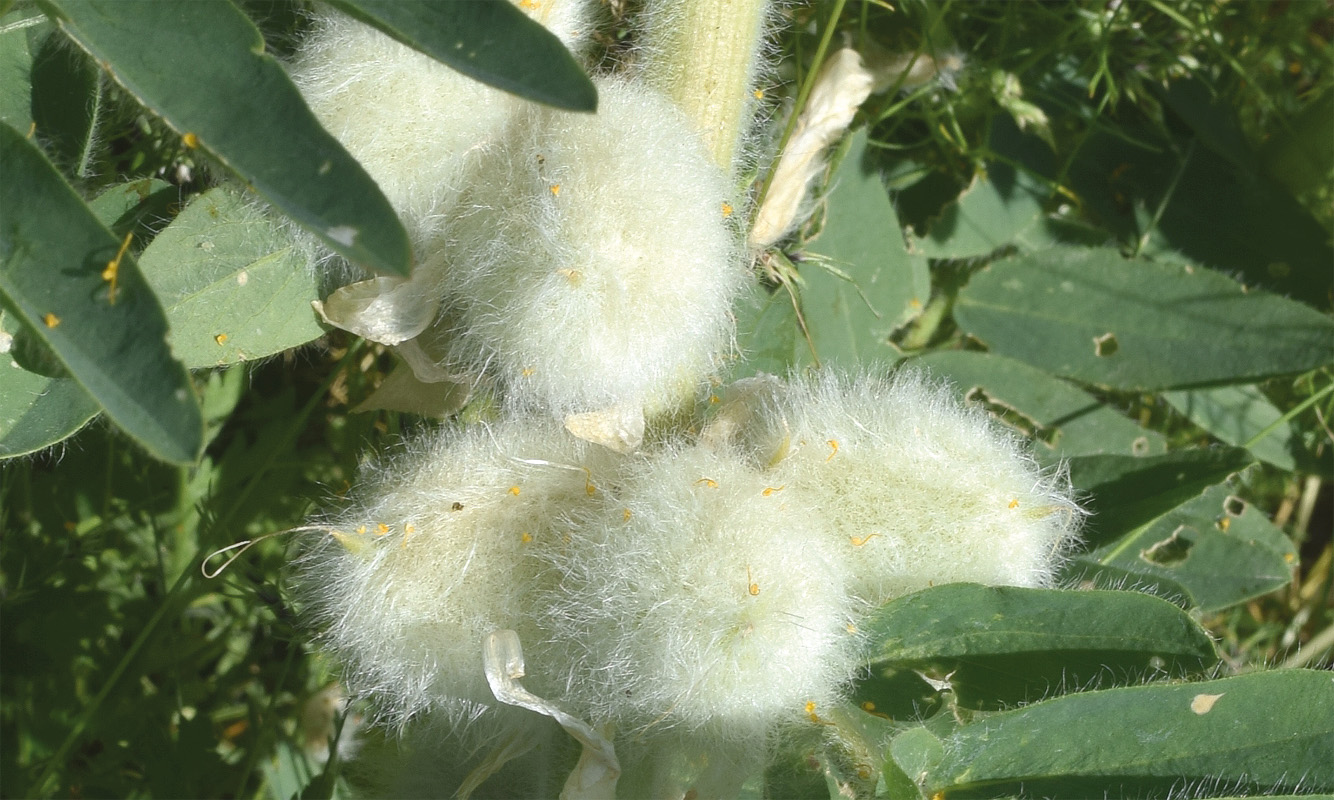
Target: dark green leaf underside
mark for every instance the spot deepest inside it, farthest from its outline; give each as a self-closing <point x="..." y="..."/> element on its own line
<point x="237" y="103"/>
<point x="489" y="40"/>
<point x="53" y="257"/>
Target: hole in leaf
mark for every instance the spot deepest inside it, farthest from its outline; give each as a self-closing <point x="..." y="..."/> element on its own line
<point x="1234" y="505"/>
<point x="1140" y="447"/>
<point x="1172" y="550"/>
<point x="1013" y="417"/>
<point x="1105" y="345"/>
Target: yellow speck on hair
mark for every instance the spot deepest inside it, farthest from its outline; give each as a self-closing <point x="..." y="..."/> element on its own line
<point x="381" y="529"/>
<point x="833" y="449"/>
<point x="1288" y="558"/>
<point x="361" y="530"/>
<point x="1014" y="503"/>
<point x="810" y="712"/>
<point x="727" y="210"/>
<point x="408" y="530"/>
<point x="525" y="537"/>
<point x="528" y="372"/>
<point x="1224" y="524"/>
<point x="915" y="303"/>
<point x="713" y="398"/>
<point x="50" y="319"/>
<point x="851" y="628"/>
<point x="752" y="587"/>
<point x="190" y="141"/>
<point x="769" y="490"/>
<point x="709" y="482"/>
<point x="555" y="190"/>
<point x="758" y="94"/>
<point x="221" y="339"/>
<point x="858" y="541"/>
<point x="868" y="706"/>
<point x="625" y="515"/>
<point x="574" y="276"/>
<point x="529" y="5"/>
<point x="514" y="490"/>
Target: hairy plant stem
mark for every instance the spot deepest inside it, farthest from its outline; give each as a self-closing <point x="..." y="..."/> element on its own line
<point x="703" y="54"/>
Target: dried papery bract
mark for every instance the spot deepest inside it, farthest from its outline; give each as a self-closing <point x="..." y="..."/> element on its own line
<point x="842" y="85"/>
<point x="920" y="489"/>
<point x="597" y="266"/>
<point x="700" y="597"/>
<point x="433" y="555"/>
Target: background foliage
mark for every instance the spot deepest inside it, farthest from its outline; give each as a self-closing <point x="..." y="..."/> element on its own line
<point x="1107" y="223"/>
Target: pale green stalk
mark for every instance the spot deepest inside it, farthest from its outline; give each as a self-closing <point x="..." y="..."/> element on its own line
<point x="703" y="54"/>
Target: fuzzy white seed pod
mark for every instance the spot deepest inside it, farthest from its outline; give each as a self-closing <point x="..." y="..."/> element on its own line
<point x="596" y="264"/>
<point x="921" y="490"/>
<point x="700" y="598"/>
<point x="435" y="554"/>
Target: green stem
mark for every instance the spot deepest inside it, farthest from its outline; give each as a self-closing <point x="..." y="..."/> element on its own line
<point x="1288" y="417"/>
<point x="1318" y="645"/>
<point x="703" y="53"/>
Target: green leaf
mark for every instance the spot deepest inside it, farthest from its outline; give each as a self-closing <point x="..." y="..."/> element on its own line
<point x="234" y="285"/>
<point x="1125" y="492"/>
<point x="1298" y="155"/>
<point x="236" y="102"/>
<point x="996" y="209"/>
<point x="67" y="100"/>
<point x="492" y="41"/>
<point x="1065" y="420"/>
<point x="1137" y="325"/>
<point x="767" y="334"/>
<point x="1235" y="414"/>
<point x="1217" y="213"/>
<point x="137" y="206"/>
<point x="1263" y="733"/>
<point x="912" y="754"/>
<point x="1219" y="548"/>
<point x="1003" y="644"/>
<point x="869" y="284"/>
<point x="53" y="253"/>
<point x="36" y="411"/>
<point x="16" y="68"/>
<point x="1082" y="573"/>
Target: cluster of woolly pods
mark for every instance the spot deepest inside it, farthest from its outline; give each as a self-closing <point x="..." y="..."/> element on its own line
<point x="700" y="595"/>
